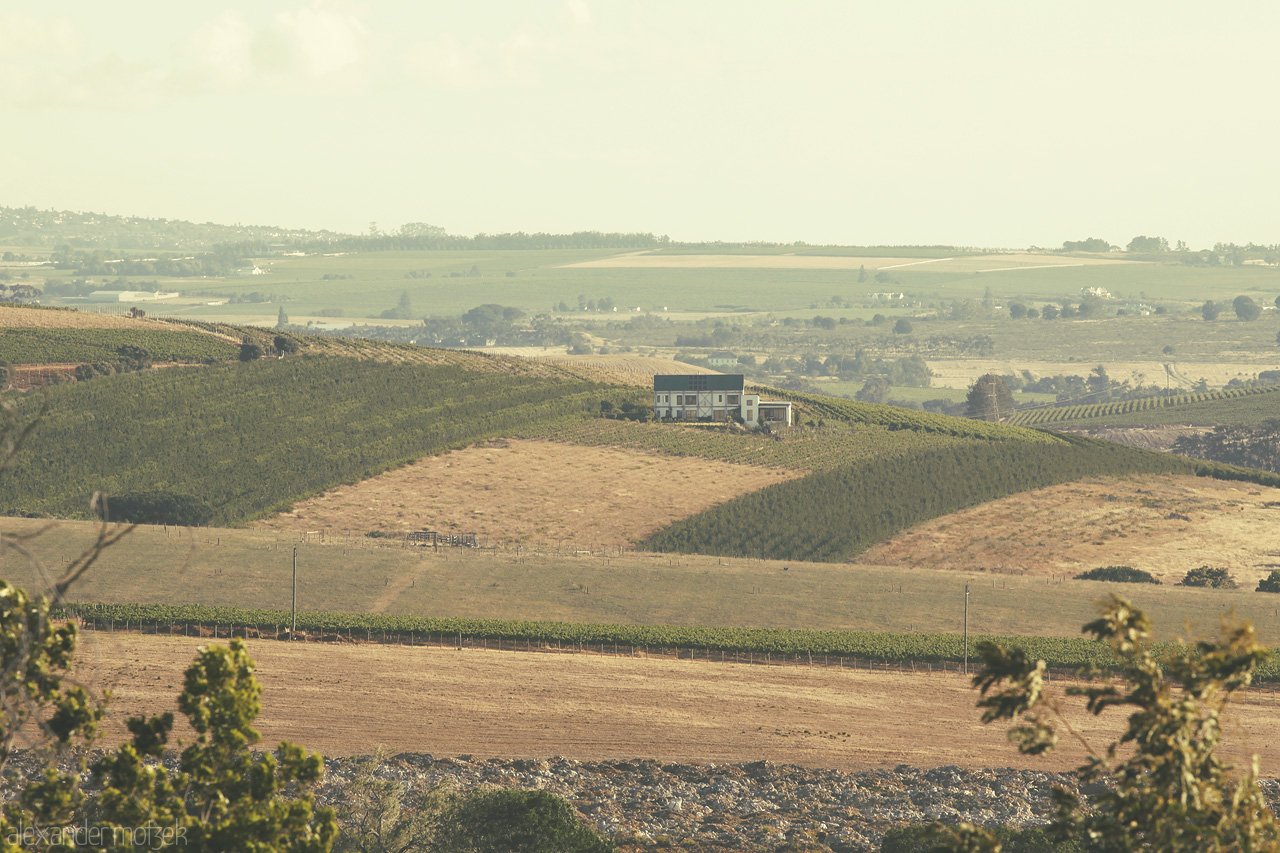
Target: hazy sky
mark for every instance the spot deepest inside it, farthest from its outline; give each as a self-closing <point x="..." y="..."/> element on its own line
<point x="978" y="123"/>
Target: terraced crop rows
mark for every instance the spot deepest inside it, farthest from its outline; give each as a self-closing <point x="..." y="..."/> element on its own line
<point x="1058" y="414"/>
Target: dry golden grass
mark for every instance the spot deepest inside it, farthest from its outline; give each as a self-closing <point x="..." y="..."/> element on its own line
<point x="42" y="318"/>
<point x="961" y="372"/>
<point x="532" y="491"/>
<point x="1078" y="526"/>
<point x="344" y="699"/>
<point x="621" y="369"/>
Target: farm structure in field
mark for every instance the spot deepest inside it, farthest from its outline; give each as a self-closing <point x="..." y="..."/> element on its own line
<point x="435" y="540"/>
<point x="724" y="358"/>
<point x="714" y="397"/>
<point x="128" y="296"/>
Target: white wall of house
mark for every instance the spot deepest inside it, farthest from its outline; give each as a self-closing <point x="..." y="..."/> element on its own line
<point x="716" y="405"/>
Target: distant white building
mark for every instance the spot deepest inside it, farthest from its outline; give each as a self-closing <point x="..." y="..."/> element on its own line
<point x="714" y="397"/>
<point x="724" y="358"/>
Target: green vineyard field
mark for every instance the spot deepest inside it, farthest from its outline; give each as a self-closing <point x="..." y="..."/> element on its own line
<point x="901" y="649"/>
<point x="835" y="514"/>
<point x="250" y="438"/>
<point x="833" y="445"/>
<point x="46" y="346"/>
<point x="1154" y="410"/>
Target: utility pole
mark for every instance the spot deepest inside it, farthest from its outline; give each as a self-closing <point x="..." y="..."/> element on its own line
<point x="293" y="627"/>
<point x="966" y="628"/>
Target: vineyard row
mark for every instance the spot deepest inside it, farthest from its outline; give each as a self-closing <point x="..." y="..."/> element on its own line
<point x="852" y="649"/>
<point x="1036" y="417"/>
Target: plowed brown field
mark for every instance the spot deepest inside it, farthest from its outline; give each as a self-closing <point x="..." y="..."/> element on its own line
<point x="532" y="491"/>
<point x="345" y="699"/>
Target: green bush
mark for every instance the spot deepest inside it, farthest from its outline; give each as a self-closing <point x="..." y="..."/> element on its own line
<point x="1117" y="574"/>
<point x="159" y="508"/>
<point x="1271" y="583"/>
<point x="1032" y="839"/>
<point x="1205" y="576"/>
<point x="505" y="820"/>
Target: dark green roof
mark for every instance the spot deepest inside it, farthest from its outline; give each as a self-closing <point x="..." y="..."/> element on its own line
<point x="698" y="382"/>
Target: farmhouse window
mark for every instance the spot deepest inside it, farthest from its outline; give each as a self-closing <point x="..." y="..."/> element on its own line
<point x="733" y="399"/>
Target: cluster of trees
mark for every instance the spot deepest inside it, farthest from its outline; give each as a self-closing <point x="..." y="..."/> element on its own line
<point x="1245" y="307"/>
<point x="221" y="261"/>
<point x="909" y="371"/>
<point x="1249" y="447"/>
<point x="1070" y="390"/>
<point x="131" y="358"/>
<point x="403" y="309"/>
<point x="1087" y="307"/>
<point x="1089" y="244"/>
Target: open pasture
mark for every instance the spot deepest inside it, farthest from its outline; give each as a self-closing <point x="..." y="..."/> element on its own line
<point x="362" y="286"/>
<point x="960" y="264"/>
<point x="925" y="593"/>
<point x="341" y="699"/>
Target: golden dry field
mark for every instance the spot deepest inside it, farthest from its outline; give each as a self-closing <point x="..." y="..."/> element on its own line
<point x="343" y="699"/>
<point x="526" y="491"/>
<point x="1164" y="525"/>
<point x="41" y="318"/>
<point x="621" y="369"/>
<point x="961" y="372"/>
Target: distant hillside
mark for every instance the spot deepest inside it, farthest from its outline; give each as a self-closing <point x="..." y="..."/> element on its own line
<point x="28" y="226"/>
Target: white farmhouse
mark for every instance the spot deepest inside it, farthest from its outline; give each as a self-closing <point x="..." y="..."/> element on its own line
<point x="714" y="397"/>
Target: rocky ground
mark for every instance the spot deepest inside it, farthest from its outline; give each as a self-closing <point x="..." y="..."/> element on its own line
<point x="644" y="804"/>
<point x="745" y="807"/>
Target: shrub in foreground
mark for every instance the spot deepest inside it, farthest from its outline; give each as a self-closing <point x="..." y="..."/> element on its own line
<point x="1167" y="790"/>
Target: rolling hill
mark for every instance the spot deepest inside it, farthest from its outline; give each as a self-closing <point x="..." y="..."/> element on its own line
<point x="250" y="439"/>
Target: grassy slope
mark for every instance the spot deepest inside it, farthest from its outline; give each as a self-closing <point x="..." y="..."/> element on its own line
<point x="249" y="438"/>
<point x="251" y="568"/>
